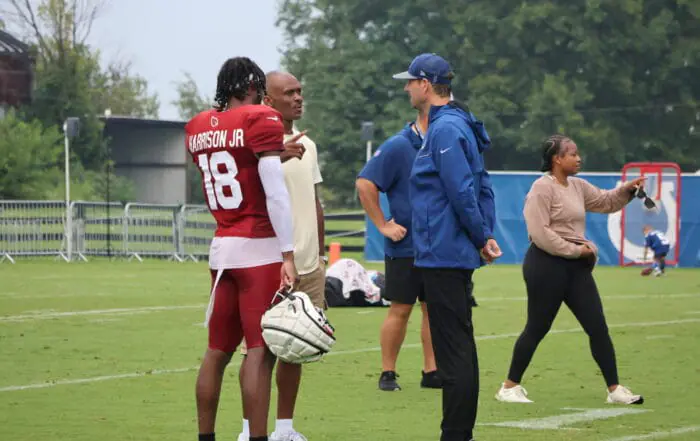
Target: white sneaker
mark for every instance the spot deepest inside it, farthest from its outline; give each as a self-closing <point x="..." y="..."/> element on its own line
<point x="657" y="273"/>
<point x="516" y="394"/>
<point x="291" y="435"/>
<point x="622" y="395"/>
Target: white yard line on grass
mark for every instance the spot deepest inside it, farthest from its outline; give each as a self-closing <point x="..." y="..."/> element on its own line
<point x="334" y="353"/>
<point x="115" y="311"/>
<point x="85" y="276"/>
<point x="659" y="435"/>
<point x="604" y="297"/>
<point x="659" y="337"/>
<point x="105" y="320"/>
<point x="559" y="422"/>
<point x="23" y="295"/>
<point x="50" y="314"/>
<point x="96" y="379"/>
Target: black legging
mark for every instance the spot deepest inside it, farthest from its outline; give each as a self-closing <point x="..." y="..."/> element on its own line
<point x="551" y="280"/>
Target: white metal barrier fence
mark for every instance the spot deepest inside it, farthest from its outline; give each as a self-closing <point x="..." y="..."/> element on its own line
<point x="97" y="227"/>
<point x="195" y="231"/>
<point x="133" y="231"/>
<point x="151" y="231"/>
<point x="32" y="228"/>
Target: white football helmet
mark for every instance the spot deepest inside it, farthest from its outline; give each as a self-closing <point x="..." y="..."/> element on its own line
<point x="295" y="330"/>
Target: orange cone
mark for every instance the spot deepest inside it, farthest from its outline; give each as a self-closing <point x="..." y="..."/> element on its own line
<point x="334" y="253"/>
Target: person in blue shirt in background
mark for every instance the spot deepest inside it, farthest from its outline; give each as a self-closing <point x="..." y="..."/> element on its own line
<point x="655" y="241"/>
<point x="388" y="171"/>
<point x="453" y="215"/>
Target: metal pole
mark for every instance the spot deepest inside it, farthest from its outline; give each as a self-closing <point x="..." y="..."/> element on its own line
<point x="109" y="217"/>
<point x="369" y="151"/>
<point x="69" y="223"/>
<point x="108" y="164"/>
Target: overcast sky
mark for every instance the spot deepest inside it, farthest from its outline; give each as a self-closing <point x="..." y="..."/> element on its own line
<point x="165" y="38"/>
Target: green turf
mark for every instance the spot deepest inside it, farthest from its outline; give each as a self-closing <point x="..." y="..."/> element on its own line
<point x="345" y="225"/>
<point x="657" y="351"/>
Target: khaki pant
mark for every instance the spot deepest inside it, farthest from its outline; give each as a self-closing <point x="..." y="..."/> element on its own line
<point x="314" y="285"/>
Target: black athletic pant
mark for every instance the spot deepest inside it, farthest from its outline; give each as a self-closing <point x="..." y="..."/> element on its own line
<point x="551" y="280"/>
<point x="661" y="258"/>
<point x="448" y="296"/>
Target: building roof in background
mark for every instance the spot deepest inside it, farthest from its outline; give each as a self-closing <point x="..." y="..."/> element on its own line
<point x="143" y="122"/>
<point x="11" y="45"/>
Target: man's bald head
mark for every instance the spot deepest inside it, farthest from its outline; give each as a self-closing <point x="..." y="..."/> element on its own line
<point x="277" y="76"/>
<point x="284" y="95"/>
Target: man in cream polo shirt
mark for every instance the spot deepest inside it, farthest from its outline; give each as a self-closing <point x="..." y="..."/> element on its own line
<point x="302" y="175"/>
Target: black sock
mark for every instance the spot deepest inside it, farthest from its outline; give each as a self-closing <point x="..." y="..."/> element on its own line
<point x="207" y="437"/>
<point x="258" y="438"/>
<point x="663" y="265"/>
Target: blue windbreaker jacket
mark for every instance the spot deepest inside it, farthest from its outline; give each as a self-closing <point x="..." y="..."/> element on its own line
<point x="453" y="209"/>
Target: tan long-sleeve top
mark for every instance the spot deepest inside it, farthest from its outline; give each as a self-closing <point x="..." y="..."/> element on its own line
<point x="556" y="214"/>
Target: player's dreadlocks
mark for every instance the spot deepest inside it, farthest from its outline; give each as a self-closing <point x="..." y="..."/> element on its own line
<point x="551" y="147"/>
<point x="236" y="77"/>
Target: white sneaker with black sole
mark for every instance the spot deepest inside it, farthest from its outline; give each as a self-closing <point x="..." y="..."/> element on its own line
<point x="516" y="394"/>
<point x="622" y="395"/>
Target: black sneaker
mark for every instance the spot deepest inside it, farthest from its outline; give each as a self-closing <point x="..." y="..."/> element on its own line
<point x="387" y="381"/>
<point x="431" y="380"/>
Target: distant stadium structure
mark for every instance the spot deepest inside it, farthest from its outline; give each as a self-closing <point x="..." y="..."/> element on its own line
<point x="16" y="72"/>
<point x="151" y="153"/>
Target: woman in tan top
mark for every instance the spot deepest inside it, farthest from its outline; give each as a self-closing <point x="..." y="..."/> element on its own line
<point x="558" y="265"/>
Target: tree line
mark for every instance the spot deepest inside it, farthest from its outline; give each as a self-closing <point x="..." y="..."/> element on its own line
<point x="621" y="78"/>
<point x="68" y="81"/>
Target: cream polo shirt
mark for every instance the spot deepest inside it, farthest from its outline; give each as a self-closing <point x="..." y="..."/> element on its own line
<point x="301" y="176"/>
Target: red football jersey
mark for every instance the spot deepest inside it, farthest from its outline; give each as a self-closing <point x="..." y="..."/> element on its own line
<point x="223" y="145"/>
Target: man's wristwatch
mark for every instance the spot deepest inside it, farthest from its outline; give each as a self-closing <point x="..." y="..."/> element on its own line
<point x="324" y="258"/>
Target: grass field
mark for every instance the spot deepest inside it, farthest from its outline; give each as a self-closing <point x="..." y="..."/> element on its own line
<point x="109" y="350"/>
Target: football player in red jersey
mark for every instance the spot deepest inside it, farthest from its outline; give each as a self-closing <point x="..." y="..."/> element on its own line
<point x="237" y="148"/>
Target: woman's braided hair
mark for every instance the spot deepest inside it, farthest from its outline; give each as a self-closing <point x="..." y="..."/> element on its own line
<point x="551" y="147"/>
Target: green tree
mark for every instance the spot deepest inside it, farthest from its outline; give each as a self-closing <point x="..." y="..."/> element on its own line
<point x="31" y="166"/>
<point x="124" y="93"/>
<point x="190" y="100"/>
<point x="345" y="52"/>
<point x="89" y="185"/>
<point x="69" y="81"/>
<point x="28" y="154"/>
<point x="63" y="90"/>
<point x="621" y="78"/>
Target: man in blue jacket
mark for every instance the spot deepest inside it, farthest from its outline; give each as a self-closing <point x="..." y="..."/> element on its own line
<point x="453" y="215"/>
<point x="388" y="171"/>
